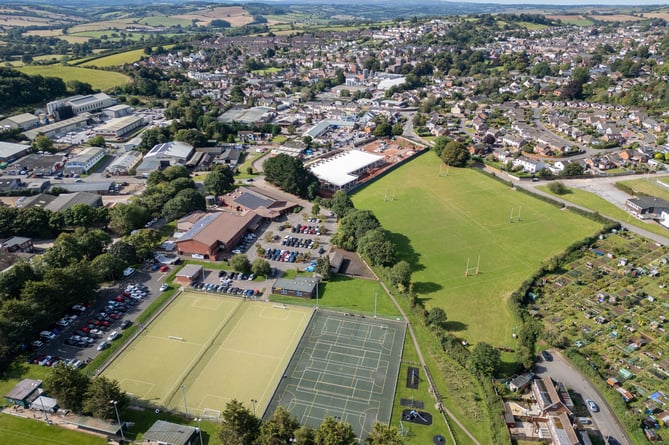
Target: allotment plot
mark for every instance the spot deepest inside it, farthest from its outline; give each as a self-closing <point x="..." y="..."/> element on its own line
<point x="345" y="367"/>
<point x="205" y="350"/>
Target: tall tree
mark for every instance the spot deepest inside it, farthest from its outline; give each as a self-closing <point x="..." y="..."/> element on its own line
<point x="289" y="174"/>
<point x="100" y="395"/>
<point x="376" y="246"/>
<point x="278" y="429"/>
<point x="126" y="217"/>
<point x="485" y="359"/>
<point x="332" y="432"/>
<point x="382" y="434"/>
<point x="455" y="154"/>
<point x="341" y="204"/>
<point x="220" y="180"/>
<point x="240" y="426"/>
<point x="68" y="385"/>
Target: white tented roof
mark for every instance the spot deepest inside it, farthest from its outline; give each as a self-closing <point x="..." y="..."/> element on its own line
<point x="337" y="170"/>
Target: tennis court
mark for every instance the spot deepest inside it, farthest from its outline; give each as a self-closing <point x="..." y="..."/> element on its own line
<point x="345" y="367"/>
<point x="205" y="350"/>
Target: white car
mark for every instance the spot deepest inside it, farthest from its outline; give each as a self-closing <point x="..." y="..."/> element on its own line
<point x="47" y="334"/>
<point x="164" y="287"/>
<point x="113" y="336"/>
<point x="128" y="271"/>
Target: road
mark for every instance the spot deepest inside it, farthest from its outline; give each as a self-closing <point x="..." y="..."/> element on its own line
<point x="603" y="187"/>
<point x="560" y="369"/>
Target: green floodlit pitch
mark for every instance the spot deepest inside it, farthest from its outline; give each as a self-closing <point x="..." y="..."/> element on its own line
<point x="205" y="350"/>
<point x="441" y="222"/>
<point x="344" y="367"/>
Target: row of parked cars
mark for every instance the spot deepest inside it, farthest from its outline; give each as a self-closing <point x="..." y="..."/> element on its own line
<point x="248" y="240"/>
<point x="307" y="230"/>
<point x="282" y="255"/>
<point x="226" y="288"/>
<point x="293" y="241"/>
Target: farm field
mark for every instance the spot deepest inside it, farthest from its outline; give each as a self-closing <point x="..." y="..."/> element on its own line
<point x="577" y="20"/>
<point x="116" y="59"/>
<point x="102" y="80"/>
<point x="212" y="349"/>
<point x="235" y="15"/>
<point x="441" y="222"/>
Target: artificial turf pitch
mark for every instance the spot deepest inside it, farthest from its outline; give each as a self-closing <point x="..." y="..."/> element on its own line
<point x="204" y="350"/>
<point x="345" y="367"/>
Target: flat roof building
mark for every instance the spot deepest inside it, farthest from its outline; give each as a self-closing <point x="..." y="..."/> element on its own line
<point x="125" y="163"/>
<point x="168" y="433"/>
<point x="341" y="172"/>
<point x="119" y="126"/>
<point x="85" y="160"/>
<point x="304" y="287"/>
<point x="60" y="127"/>
<point x="10" y="152"/>
<point x="81" y="104"/>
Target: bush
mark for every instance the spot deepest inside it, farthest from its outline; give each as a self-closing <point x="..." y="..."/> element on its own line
<point x="558" y="188"/>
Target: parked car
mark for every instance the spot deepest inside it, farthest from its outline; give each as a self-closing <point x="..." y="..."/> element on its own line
<point x="103" y="345"/>
<point x="547" y="356"/>
<point x="164" y="287"/>
<point x="113" y="336"/>
<point x="592" y="406"/>
<point x="125" y="324"/>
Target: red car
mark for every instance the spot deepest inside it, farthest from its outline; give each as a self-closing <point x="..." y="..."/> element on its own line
<point x="119" y="298"/>
<point x="85" y="329"/>
<point x="164" y="268"/>
<point x="104" y="323"/>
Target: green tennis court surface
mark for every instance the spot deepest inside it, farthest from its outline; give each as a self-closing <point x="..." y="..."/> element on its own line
<point x="345" y="367"/>
<point x="205" y="350"/>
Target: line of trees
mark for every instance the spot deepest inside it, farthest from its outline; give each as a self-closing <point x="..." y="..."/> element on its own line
<point x="241" y="427"/>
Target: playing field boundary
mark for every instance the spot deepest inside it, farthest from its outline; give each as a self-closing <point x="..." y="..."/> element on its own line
<point x="203" y="353"/>
<point x="136" y="334"/>
<point x="283" y="371"/>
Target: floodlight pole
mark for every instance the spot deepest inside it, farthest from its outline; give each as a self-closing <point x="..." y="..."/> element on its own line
<point x="183" y="392"/>
<point x="41" y="401"/>
<point x="254" y="401"/>
<point x="118" y="418"/>
<point x="376" y="296"/>
<point x="199" y="429"/>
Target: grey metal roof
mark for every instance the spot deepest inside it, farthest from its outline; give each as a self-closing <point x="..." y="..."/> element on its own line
<point x="169" y="433"/>
<point x="297" y="284"/>
<point x="23" y="389"/>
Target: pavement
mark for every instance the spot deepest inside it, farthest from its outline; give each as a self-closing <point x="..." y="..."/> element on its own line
<point x="560" y="369"/>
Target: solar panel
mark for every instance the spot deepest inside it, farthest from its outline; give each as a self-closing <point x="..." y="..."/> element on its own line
<point x="252" y="201"/>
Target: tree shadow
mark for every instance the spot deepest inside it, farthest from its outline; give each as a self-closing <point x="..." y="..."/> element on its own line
<point x="424" y="288"/>
<point x="455" y="326"/>
<point x="405" y="251"/>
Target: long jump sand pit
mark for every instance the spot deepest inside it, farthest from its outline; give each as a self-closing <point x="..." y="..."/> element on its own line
<point x="204" y="350"/>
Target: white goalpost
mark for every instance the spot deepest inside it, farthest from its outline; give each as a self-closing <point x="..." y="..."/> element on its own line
<point x="514" y="216"/>
<point x="475" y="269"/>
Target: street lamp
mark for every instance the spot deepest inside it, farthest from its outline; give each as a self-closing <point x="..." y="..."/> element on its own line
<point x="118" y="418"/>
<point x="199" y="429"/>
<point x="254" y="401"/>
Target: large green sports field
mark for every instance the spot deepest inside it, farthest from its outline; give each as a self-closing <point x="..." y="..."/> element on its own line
<point x="205" y="350"/>
<point x="439" y="222"/>
<point x="98" y="79"/>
